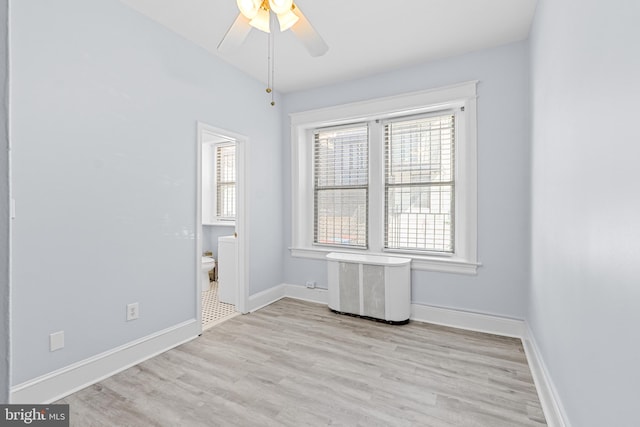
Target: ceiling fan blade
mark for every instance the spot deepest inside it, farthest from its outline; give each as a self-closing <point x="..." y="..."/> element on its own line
<point x="309" y="37"/>
<point x="235" y="35"/>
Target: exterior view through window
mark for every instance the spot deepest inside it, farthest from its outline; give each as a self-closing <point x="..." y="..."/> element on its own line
<point x="419" y="183"/>
<point x="341" y="186"/>
<point x="419" y="186"/>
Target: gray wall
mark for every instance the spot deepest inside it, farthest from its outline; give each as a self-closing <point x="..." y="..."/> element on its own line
<point x="210" y="235"/>
<point x="105" y="104"/>
<point x="585" y="296"/>
<point x="503" y="176"/>
<point x="4" y="206"/>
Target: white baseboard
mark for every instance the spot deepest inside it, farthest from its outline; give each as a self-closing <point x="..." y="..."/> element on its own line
<point x="422" y="313"/>
<point x="468" y="320"/>
<point x="551" y="404"/>
<point x="271" y="295"/>
<point x="549" y="400"/>
<point x="62" y="382"/>
<point x="266" y="297"/>
<point x="317" y="295"/>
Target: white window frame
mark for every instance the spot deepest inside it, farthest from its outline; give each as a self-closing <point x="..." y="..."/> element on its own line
<point x="460" y="97"/>
<point x="209" y="181"/>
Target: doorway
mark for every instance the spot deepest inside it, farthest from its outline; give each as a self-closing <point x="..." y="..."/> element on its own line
<point x="221" y="211"/>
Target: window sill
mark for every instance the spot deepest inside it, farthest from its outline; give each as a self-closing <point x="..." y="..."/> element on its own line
<point x="422" y="263"/>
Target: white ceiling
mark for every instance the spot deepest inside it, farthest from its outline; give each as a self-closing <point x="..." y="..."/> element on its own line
<point x="365" y="37"/>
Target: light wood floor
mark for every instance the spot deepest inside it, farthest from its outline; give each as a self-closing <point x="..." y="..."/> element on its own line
<point x="296" y="364"/>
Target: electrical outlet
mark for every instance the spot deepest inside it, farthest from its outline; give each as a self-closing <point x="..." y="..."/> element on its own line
<point x="311" y="284"/>
<point x="56" y="341"/>
<point x="133" y="311"/>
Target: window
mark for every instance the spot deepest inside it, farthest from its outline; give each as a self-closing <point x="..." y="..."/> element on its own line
<point x="225" y="182"/>
<point x="419" y="183"/>
<point x="389" y="176"/>
<point x="218" y="176"/>
<point x="341" y="180"/>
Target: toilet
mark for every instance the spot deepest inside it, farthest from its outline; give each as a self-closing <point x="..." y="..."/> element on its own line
<point x="207" y="265"/>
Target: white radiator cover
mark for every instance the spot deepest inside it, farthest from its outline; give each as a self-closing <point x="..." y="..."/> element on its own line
<point x="373" y="286"/>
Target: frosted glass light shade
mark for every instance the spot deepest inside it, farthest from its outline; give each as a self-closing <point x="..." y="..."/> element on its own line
<point x="280" y="6"/>
<point x="261" y="21"/>
<point x="249" y="8"/>
<point x="287" y="20"/>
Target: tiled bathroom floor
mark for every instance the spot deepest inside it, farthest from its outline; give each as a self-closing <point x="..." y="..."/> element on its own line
<point x="214" y="311"/>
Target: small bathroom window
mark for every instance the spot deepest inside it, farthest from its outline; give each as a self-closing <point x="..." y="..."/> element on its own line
<point x="218" y="179"/>
<point x="225" y="182"/>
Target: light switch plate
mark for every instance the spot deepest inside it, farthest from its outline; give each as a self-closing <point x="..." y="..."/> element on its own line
<point x="56" y="341"/>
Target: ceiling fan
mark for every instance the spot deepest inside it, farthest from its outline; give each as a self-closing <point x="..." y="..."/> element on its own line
<point x="257" y="14"/>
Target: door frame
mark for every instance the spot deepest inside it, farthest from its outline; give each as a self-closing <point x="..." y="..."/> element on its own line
<point x="241" y="228"/>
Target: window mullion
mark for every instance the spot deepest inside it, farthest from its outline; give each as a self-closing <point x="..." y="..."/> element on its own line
<point x="376" y="186"/>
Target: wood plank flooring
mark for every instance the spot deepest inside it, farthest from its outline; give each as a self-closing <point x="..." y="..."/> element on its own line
<point x="295" y="363"/>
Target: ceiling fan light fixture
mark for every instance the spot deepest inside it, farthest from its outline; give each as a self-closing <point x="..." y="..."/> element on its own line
<point x="249" y="8"/>
<point x="261" y="20"/>
<point x="287" y="20"/>
<point x="280" y="6"/>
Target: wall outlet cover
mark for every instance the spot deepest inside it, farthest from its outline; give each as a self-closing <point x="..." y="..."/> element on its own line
<point x="133" y="311"/>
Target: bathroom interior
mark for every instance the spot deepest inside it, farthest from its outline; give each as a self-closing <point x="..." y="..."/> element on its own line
<point x="218" y="273"/>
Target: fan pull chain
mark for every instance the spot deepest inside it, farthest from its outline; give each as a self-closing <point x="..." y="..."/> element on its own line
<point x="270" y="67"/>
<point x="273" y="68"/>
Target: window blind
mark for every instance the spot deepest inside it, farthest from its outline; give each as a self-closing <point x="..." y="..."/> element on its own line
<point x="419" y="183"/>
<point x="226" y="182"/>
<point x="341" y="179"/>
